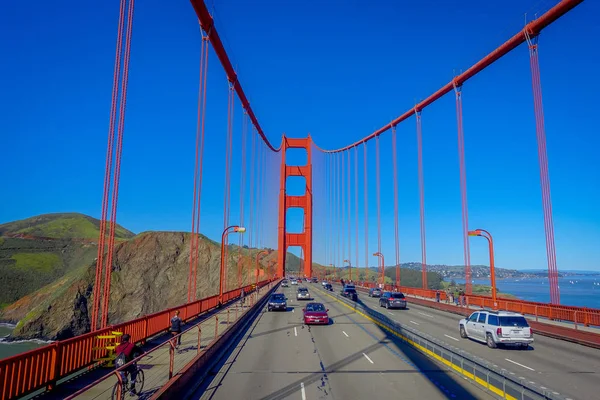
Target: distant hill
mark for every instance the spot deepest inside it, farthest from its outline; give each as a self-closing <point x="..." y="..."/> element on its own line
<point x="60" y="226"/>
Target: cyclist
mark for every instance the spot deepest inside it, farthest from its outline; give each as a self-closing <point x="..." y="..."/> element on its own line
<point x="127" y="351"/>
<point x="242" y="297"/>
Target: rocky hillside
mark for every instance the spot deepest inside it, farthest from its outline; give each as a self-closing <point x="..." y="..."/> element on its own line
<point x="36" y="251"/>
<point x="149" y="274"/>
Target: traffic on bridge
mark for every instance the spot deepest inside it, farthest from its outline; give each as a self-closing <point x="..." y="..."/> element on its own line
<point x="289" y="290"/>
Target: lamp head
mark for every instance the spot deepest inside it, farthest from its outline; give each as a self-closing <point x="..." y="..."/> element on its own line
<point x="239" y="229"/>
<point x="476" y="232"/>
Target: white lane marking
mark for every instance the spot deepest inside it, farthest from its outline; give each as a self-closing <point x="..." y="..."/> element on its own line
<point x="390" y="313"/>
<point x="295" y="332"/>
<point x="413" y="322"/>
<point x="521" y="365"/>
<point x="345" y="334"/>
<point x="302" y="389"/>
<point x="367" y="357"/>
<point x="427" y="315"/>
<point x="453" y="338"/>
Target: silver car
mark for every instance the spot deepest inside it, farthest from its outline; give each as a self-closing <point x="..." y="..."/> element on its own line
<point x="497" y="328"/>
<point x="303" y="294"/>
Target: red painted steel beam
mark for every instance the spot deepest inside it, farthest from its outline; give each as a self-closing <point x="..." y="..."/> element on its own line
<point x="208" y="25"/>
<point x="533" y="29"/>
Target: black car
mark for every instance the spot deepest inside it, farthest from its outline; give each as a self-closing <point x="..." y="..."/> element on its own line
<point x="374" y="292"/>
<point x="328" y="287"/>
<point x="277" y="302"/>
<point x="392" y="300"/>
<point x="350" y="293"/>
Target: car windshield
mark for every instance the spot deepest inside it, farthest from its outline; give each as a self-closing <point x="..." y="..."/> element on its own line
<point x="349" y="290"/>
<point x="303" y="290"/>
<point x="278" y="296"/>
<point x="376" y="290"/>
<point x="397" y="295"/>
<point x="315" y="307"/>
<point x="519" y="322"/>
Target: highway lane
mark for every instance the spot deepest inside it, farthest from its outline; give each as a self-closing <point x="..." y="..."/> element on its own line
<point x="351" y="358"/>
<point x="570" y="369"/>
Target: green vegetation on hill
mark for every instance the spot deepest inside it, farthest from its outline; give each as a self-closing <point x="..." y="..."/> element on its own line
<point x="29" y="261"/>
<point x="36" y="262"/>
<point x="60" y="226"/>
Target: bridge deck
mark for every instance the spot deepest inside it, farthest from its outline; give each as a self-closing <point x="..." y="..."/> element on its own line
<point x="351" y="358"/>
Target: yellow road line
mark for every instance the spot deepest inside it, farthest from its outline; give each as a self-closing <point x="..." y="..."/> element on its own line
<point x="430" y="353"/>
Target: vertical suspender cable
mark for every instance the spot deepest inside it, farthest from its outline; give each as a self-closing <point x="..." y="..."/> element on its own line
<point x="396" y="233"/>
<point x="194" y="239"/>
<point x="349" y="219"/>
<point x="108" y="171"/>
<point x="421" y="200"/>
<point x="242" y="194"/>
<point x="544" y="174"/>
<point x="366" y="207"/>
<point x="327" y="213"/>
<point x="336" y="263"/>
<point x="117" y="172"/>
<point x="463" y="189"/>
<point x="252" y="169"/>
<point x="226" y="197"/>
<point x="343" y="208"/>
<point x="378" y="190"/>
<point x="356" y="205"/>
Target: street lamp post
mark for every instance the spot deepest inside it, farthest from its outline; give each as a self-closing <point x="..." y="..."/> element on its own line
<point x="488" y="236"/>
<point x="258" y="255"/>
<point x="350" y="268"/>
<point x="232" y="228"/>
<point x="381" y="266"/>
<point x="334" y="274"/>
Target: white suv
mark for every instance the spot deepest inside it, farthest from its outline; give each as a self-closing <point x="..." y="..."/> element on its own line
<point x="496" y="327"/>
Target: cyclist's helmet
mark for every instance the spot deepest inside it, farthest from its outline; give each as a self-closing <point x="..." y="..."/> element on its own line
<point x="125" y="338"/>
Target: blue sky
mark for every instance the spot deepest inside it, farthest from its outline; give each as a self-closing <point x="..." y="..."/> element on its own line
<point x="338" y="70"/>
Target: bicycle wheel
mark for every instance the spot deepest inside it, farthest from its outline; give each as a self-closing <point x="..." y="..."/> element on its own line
<point x="139" y="381"/>
<point x="115" y="392"/>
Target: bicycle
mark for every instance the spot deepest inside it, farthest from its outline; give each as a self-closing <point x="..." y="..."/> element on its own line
<point x="123" y="386"/>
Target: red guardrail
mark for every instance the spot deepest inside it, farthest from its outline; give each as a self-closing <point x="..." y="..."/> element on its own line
<point x="577" y="315"/>
<point x="43" y="367"/>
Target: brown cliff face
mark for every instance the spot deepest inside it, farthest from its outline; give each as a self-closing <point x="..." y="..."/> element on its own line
<point x="150" y="273"/>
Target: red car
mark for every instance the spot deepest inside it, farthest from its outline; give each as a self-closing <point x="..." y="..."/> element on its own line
<point x="316" y="313"/>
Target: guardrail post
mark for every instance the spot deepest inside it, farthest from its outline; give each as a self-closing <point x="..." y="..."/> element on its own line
<point x="120" y="387"/>
<point x="236" y="313"/>
<point x="171" y="358"/>
<point x="228" y="316"/>
<point x="145" y="330"/>
<point x="536" y="313"/>
<point x="55" y="369"/>
<point x="199" y="337"/>
<point x="216" y="326"/>
<point x="575" y="319"/>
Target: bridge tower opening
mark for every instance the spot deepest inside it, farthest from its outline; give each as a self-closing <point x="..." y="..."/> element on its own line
<point x="302" y="239"/>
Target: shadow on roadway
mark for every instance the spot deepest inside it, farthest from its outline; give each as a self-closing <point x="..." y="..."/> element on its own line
<point x="444" y="380"/>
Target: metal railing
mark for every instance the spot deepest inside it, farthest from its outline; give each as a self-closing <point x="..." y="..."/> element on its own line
<point x="478" y="371"/>
<point x="194" y="340"/>
<point x="41" y="368"/>
<point x="576" y="315"/>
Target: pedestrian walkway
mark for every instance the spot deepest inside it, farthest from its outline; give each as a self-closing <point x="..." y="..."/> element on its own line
<point x="164" y="361"/>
